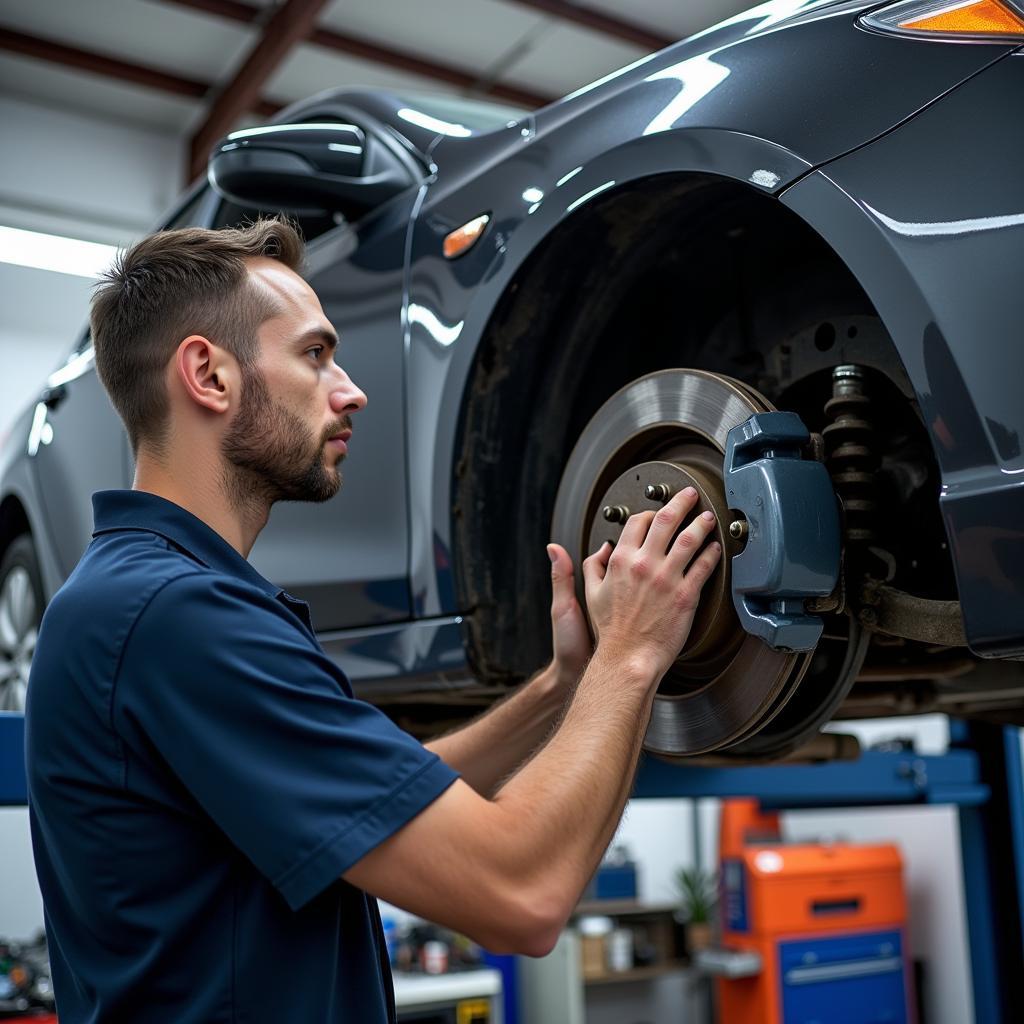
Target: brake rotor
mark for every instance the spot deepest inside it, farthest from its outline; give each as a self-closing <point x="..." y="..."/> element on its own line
<point x="657" y="435"/>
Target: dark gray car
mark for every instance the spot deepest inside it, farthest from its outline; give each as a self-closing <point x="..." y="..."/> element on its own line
<point x="562" y="317"/>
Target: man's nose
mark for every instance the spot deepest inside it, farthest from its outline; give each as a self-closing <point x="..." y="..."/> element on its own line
<point x="345" y="396"/>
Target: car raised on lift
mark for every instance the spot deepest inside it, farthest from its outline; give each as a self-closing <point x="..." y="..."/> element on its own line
<point x="777" y="260"/>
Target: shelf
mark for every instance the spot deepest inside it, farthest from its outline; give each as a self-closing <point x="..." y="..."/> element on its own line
<point x="622" y="908"/>
<point x="639" y="973"/>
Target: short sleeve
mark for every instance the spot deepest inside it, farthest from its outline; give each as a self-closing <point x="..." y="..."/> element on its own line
<point x="250" y="715"/>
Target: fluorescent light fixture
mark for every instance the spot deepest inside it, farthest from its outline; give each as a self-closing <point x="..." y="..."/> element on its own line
<point x="54" y="252"/>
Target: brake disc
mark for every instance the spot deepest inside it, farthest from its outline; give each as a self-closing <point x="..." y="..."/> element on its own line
<point x="655" y="436"/>
<point x="824" y="686"/>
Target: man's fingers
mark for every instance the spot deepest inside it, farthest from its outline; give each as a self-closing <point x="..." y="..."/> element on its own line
<point x="690" y="541"/>
<point x="704" y="565"/>
<point x="563" y="589"/>
<point x="635" y="530"/>
<point x="561" y="563"/>
<point x="667" y="520"/>
<point x="595" y="567"/>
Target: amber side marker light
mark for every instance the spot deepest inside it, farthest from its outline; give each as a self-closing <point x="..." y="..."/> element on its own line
<point x="987" y="21"/>
<point x="463" y="239"/>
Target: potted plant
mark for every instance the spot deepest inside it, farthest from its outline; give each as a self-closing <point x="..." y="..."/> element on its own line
<point x="698" y="894"/>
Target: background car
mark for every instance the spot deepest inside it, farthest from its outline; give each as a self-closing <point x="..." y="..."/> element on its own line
<point x="814" y="213"/>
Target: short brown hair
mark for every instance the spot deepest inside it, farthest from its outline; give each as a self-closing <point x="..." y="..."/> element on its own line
<point x="172" y="284"/>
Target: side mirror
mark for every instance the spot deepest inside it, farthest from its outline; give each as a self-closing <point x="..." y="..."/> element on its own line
<point x="302" y="167"/>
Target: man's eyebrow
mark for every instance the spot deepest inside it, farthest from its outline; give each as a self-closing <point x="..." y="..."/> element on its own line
<point x="326" y="336"/>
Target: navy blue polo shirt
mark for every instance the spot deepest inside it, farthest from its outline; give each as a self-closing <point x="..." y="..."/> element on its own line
<point x="200" y="775"/>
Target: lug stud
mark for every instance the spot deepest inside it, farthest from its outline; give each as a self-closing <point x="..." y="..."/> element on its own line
<point x="738" y="529"/>
<point x="657" y="492"/>
<point x="615" y="513"/>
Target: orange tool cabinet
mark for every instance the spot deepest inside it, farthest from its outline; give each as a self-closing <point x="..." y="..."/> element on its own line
<point x="828" y="922"/>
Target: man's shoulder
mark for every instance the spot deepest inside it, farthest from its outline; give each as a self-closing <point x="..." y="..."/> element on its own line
<point x="120" y="572"/>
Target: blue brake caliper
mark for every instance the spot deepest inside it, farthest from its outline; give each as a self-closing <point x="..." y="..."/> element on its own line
<point x="792" y="551"/>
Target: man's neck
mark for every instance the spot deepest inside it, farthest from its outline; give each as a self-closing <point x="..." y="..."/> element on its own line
<point x="205" y="491"/>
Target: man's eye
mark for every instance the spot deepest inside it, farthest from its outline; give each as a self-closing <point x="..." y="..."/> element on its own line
<point x="316" y="350"/>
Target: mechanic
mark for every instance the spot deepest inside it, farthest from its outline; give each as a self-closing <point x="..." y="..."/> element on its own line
<point x="212" y="810"/>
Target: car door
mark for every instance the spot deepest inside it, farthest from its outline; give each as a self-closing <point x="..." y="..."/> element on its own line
<point x="77" y="444"/>
<point x="348" y="557"/>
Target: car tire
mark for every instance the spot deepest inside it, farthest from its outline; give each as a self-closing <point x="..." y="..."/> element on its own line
<point x="21" y="611"/>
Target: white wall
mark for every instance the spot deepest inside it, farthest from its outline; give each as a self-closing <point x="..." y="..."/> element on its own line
<point x="81" y="176"/>
<point x="21" y="906"/>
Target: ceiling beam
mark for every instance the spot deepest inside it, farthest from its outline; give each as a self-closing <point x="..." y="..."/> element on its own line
<point x="365" y="49"/>
<point x="290" y="24"/>
<point x="589" y="17"/>
<point x="110" y="67"/>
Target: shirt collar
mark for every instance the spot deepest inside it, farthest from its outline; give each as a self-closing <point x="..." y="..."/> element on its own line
<point x="140" y="510"/>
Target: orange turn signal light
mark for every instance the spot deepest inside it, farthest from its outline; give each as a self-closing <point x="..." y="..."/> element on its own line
<point x="463" y="239"/>
<point x="983" y="20"/>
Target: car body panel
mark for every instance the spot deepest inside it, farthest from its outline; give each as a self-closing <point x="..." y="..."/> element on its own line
<point x="698" y="119"/>
<point x="87" y="453"/>
<point x="930" y="221"/>
<point x="348" y="557"/>
<point x="20" y="485"/>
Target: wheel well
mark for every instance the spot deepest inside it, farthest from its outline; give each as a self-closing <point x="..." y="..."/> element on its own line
<point x="639" y="280"/>
<point x="13" y="521"/>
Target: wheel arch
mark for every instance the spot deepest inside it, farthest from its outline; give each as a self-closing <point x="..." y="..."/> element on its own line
<point x="14" y="521"/>
<point x="539" y="353"/>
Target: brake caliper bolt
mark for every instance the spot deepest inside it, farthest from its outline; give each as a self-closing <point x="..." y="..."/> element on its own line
<point x="615" y="513"/>
<point x="658" y="492"/>
<point x="738" y="529"/>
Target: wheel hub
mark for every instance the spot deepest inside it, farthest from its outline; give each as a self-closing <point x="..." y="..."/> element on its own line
<point x="648" y="486"/>
<point x="654" y="437"/>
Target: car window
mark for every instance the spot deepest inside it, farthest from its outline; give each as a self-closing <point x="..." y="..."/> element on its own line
<point x="233" y="215"/>
<point x="187" y="216"/>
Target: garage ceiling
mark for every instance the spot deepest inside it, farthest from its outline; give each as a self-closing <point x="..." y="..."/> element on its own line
<point x="186" y="65"/>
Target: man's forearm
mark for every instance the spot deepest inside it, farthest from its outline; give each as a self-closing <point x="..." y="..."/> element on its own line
<point x="490" y="748"/>
<point x="565" y="804"/>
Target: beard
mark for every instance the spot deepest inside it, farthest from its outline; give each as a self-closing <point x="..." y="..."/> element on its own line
<point x="272" y="454"/>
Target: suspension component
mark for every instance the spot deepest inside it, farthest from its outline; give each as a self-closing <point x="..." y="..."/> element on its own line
<point x="851" y="456"/>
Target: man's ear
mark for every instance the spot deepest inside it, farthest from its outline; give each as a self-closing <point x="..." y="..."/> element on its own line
<point x="208" y="373"/>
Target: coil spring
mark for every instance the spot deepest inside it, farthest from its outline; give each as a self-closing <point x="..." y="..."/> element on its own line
<point x="850" y="453"/>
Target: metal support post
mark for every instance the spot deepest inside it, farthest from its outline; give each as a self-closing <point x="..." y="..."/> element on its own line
<point x="992" y="847"/>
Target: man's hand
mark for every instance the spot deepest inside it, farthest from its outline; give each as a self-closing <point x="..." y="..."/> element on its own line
<point x="570" y="636"/>
<point x="642" y="595"/>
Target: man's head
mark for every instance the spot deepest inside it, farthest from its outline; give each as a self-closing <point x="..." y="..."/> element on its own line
<point x="211" y="339"/>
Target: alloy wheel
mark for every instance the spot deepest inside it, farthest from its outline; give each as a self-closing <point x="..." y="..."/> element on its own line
<point x="19" y="617"/>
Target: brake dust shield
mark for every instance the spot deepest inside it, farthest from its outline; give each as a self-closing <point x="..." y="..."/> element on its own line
<point x="657" y="435"/>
